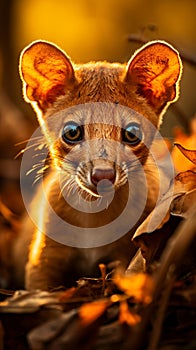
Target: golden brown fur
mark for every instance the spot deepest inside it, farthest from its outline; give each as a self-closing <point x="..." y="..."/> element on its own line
<point x="146" y="85"/>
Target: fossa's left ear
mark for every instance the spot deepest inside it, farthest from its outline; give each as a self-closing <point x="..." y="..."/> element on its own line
<point x="154" y="71"/>
<point x="46" y="72"/>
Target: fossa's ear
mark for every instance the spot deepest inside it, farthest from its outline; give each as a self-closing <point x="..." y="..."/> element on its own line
<point x="155" y="71"/>
<point x="45" y="71"/>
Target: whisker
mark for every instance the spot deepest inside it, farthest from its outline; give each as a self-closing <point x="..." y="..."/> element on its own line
<point x="32" y="139"/>
<point x="36" y="146"/>
<point x="69" y="185"/>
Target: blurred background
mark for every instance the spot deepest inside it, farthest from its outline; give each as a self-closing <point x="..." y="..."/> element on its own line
<point x="87" y="30"/>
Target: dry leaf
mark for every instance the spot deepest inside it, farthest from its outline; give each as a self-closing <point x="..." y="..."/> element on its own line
<point x="183" y="204"/>
<point x="185" y="181"/>
<point x="140" y="286"/>
<point x="184" y="154"/>
<point x="188" y="153"/>
<point x="185" y="193"/>
<point x="152" y="235"/>
<point x="126" y="316"/>
<point x="67" y="294"/>
<point x="157" y="218"/>
<point x="90" y="312"/>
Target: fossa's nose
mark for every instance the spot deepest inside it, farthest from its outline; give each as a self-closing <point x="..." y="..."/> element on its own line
<point x="99" y="174"/>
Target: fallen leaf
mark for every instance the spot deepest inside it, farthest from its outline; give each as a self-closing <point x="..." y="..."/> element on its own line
<point x="126" y="316"/>
<point x="185" y="180"/>
<point x="139" y="286"/>
<point x="153" y="234"/>
<point x="90" y="312"/>
<point x="184" y="155"/>
<point x="152" y="244"/>
<point x="188" y="153"/>
<point x="183" y="204"/>
<point x="67" y="294"/>
<point x="185" y="193"/>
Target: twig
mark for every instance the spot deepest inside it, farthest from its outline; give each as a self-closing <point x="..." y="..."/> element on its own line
<point x="6" y="292"/>
<point x="170" y="263"/>
<point x="176" y="249"/>
<point x="156" y="332"/>
<point x="135" y="38"/>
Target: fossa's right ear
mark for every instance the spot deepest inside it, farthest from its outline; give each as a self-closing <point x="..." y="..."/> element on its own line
<point x="155" y="71"/>
<point x="45" y="71"/>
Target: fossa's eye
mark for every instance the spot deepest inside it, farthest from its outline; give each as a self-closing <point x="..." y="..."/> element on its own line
<point x="72" y="133"/>
<point x="132" y="134"/>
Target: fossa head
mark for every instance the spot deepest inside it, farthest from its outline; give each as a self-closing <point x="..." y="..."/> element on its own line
<point x="99" y="118"/>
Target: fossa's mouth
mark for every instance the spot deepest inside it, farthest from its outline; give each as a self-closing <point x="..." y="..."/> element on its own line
<point x="101" y="182"/>
<point x="105" y="186"/>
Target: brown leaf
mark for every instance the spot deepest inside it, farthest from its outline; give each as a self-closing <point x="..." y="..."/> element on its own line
<point x="184" y="154"/>
<point x="153" y="234"/>
<point x="139" y="286"/>
<point x="126" y="316"/>
<point x="185" y="193"/>
<point x="184" y="183"/>
<point x="90" y="312"/>
<point x="189" y="154"/>
<point x="156" y="219"/>
<point x="67" y="294"/>
<point x="187" y="178"/>
<point x="183" y="204"/>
